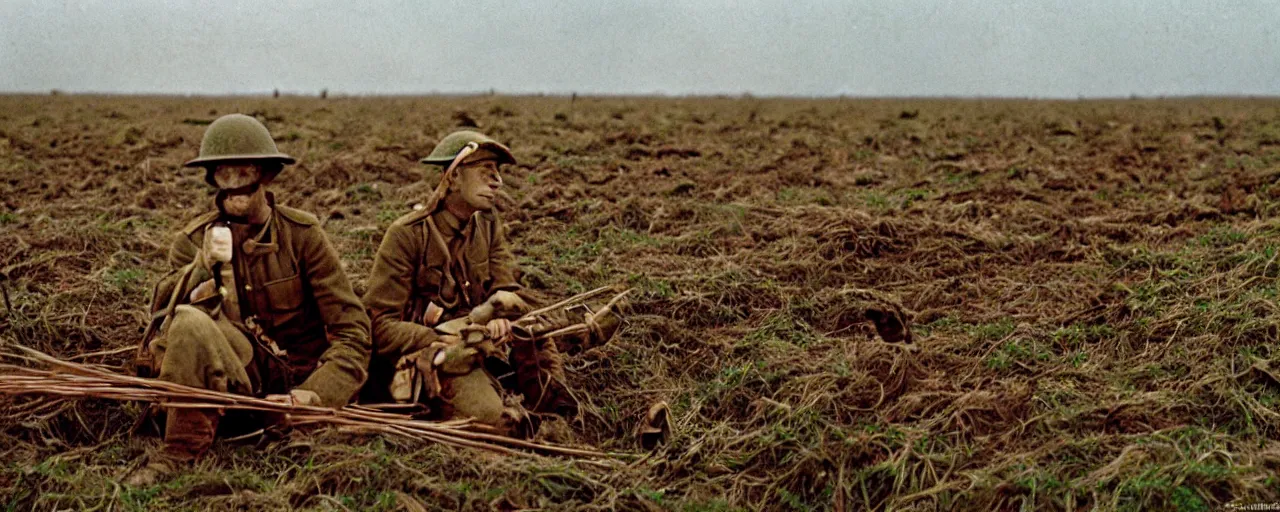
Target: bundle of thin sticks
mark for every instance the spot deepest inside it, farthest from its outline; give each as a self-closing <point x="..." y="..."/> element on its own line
<point x="534" y="326"/>
<point x="69" y="380"/>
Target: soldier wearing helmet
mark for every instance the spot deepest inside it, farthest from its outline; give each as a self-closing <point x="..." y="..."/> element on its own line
<point x="441" y="295"/>
<point x="258" y="304"/>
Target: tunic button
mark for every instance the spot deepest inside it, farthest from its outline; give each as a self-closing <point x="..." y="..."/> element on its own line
<point x="248" y="287"/>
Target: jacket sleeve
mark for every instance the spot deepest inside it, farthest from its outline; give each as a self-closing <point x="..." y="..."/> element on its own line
<point x="502" y="262"/>
<point x="182" y="253"/>
<point x="344" y="366"/>
<point x="390" y="283"/>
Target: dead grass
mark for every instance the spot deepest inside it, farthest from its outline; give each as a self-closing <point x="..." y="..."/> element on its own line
<point x="1092" y="286"/>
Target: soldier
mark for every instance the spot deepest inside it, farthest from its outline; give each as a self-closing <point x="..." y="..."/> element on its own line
<point x="441" y="296"/>
<point x="258" y="304"/>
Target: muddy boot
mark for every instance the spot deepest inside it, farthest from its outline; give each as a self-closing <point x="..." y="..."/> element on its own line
<point x="539" y="372"/>
<point x="656" y="427"/>
<point x="188" y="434"/>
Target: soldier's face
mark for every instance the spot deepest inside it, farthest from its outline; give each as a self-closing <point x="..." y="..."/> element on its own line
<point x="478" y="184"/>
<point x="234" y="176"/>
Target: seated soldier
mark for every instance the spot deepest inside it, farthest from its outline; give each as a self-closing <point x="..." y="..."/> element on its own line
<point x="442" y="294"/>
<point x="258" y="304"/>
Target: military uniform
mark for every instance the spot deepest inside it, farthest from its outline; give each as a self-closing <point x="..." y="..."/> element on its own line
<point x="433" y="257"/>
<point x="285" y="319"/>
<point x="289" y="284"/>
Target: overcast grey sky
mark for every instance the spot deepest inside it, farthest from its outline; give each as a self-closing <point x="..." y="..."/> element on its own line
<point x="1045" y="48"/>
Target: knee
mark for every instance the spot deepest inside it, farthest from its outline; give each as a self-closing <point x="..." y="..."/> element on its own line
<point x="476" y="397"/>
<point x="186" y="350"/>
<point x="190" y="326"/>
<point x="489" y="412"/>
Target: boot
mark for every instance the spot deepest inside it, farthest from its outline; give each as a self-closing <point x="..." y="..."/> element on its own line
<point x="188" y="434"/>
<point x="539" y="370"/>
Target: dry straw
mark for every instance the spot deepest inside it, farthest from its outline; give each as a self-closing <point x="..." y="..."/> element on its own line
<point x="70" y="380"/>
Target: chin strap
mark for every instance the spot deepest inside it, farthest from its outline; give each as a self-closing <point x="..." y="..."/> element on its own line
<point x="446" y="179"/>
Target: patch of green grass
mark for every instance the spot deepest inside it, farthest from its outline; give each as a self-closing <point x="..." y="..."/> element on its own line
<point x="793" y="501"/>
<point x="364" y="192"/>
<point x="1039" y="481"/>
<point x="1077" y="334"/>
<point x="370" y="498"/>
<point x="652" y="287"/>
<point x="958" y="178"/>
<point x="913" y="194"/>
<point x="1222" y="236"/>
<point x="651" y="495"/>
<point x="732" y="376"/>
<point x="623" y="239"/>
<point x="993" y="331"/>
<point x="875" y="200"/>
<point x="1017" y="350"/>
<point x="571" y="253"/>
<point x="389" y="213"/>
<point x="1179" y="264"/>
<point x="8" y="218"/>
<point x="1187" y="499"/>
<point x="944" y="324"/>
<point x="1154" y="487"/>
<point x="126" y="279"/>
<point x="139" y="498"/>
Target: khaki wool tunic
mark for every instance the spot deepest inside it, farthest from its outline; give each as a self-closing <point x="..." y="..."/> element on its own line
<point x="435" y="257"/>
<point x="290" y="280"/>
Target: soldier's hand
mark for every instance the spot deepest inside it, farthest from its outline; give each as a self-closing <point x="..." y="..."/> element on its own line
<point x="455" y="357"/>
<point x="203" y="291"/>
<point x="499" y="330"/>
<point x="277" y="423"/>
<point x="297" y="397"/>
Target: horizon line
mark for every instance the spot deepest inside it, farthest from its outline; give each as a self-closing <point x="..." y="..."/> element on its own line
<point x="326" y="94"/>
